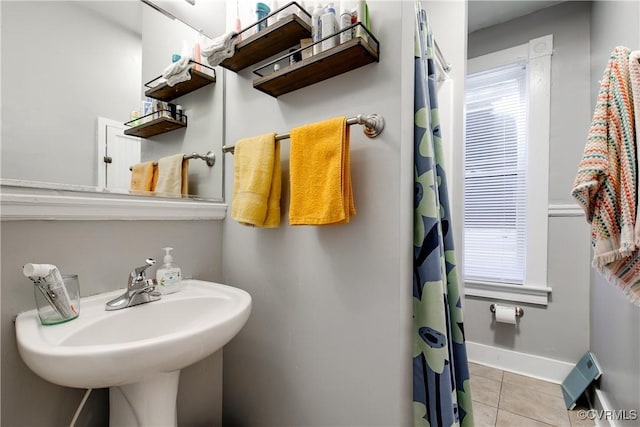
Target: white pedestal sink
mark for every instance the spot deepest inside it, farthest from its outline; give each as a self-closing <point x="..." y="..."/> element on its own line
<point x="137" y="352"/>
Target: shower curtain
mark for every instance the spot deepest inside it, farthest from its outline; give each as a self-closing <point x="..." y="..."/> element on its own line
<point x="441" y="391"/>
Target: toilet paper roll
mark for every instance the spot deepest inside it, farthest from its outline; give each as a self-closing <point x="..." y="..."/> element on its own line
<point x="505" y="314"/>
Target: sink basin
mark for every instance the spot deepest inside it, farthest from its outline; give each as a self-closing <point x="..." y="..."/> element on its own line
<point x="136" y="350"/>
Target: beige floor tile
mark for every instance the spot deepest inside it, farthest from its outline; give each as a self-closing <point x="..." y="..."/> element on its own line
<point x="507" y="419"/>
<point x="485" y="391"/>
<point x="485" y="371"/>
<point x="577" y="418"/>
<point x="484" y="415"/>
<point x="522" y="400"/>
<point x="533" y="384"/>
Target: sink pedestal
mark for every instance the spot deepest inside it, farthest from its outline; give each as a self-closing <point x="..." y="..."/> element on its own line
<point x="146" y="403"/>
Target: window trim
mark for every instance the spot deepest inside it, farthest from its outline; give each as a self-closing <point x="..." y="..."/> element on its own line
<point x="537" y="52"/>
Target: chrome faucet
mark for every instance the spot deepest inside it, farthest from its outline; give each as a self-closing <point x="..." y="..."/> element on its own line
<point x="140" y="290"/>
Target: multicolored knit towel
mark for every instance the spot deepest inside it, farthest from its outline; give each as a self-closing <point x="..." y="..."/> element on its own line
<point x="634" y="76"/>
<point x="605" y="185"/>
<point x="625" y="273"/>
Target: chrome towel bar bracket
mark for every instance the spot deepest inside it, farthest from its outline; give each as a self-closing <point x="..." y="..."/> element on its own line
<point x="209" y="158"/>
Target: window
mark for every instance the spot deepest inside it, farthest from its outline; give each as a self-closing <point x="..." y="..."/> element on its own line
<point x="495" y="175"/>
<point x="505" y="181"/>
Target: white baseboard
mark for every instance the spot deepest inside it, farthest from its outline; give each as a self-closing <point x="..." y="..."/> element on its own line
<point x="539" y="367"/>
<point x="601" y="397"/>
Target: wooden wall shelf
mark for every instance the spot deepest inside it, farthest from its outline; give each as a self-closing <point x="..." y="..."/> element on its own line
<point x="272" y="40"/>
<point x="345" y="57"/>
<point x="156" y="127"/>
<point x="167" y="93"/>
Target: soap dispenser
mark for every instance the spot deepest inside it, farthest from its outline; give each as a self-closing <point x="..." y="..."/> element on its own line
<point x="169" y="276"/>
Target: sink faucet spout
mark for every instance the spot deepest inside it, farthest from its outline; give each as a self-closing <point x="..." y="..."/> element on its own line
<point x="140" y="290"/>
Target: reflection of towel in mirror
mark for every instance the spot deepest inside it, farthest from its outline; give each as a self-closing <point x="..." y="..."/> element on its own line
<point x="142" y="177"/>
<point x="220" y="48"/>
<point x="172" y="176"/>
<point x="178" y="71"/>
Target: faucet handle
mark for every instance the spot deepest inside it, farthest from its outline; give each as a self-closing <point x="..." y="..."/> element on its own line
<point x="138" y="273"/>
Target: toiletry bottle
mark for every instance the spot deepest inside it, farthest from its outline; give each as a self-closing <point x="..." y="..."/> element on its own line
<point x="316" y="28"/>
<point x="134" y="118"/>
<point x="361" y="12"/>
<point x="169" y="276"/>
<point x="238" y="28"/>
<point x="238" y="24"/>
<point x="329" y="24"/>
<point x="262" y="10"/>
<point x="196" y="55"/>
<point x="179" y="113"/>
<point x="345" y="21"/>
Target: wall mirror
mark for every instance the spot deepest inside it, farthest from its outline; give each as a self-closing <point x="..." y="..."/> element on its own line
<point x="73" y="72"/>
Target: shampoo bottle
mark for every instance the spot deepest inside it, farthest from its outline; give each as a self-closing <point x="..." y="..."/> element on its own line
<point x="345" y="21"/>
<point x="169" y="276"/>
<point x="329" y="25"/>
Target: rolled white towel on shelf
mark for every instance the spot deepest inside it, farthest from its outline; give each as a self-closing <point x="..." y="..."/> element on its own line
<point x="220" y="48"/>
<point x="178" y="71"/>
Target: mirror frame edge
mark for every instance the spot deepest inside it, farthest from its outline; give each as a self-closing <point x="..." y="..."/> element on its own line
<point x="20" y="201"/>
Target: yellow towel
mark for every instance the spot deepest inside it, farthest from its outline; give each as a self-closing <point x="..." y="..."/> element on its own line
<point x="143" y="176"/>
<point x="320" y="174"/>
<point x="172" y="177"/>
<point x="257" y="181"/>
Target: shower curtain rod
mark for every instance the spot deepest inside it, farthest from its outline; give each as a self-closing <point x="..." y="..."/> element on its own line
<point x="446" y="66"/>
<point x="373" y="125"/>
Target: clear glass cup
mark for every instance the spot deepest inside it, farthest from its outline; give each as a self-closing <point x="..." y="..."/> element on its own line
<point x="58" y="305"/>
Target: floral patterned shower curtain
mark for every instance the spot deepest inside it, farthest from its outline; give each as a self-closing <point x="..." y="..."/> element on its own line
<point x="441" y="391"/>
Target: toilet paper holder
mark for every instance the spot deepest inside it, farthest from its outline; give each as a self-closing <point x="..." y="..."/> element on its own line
<point x="519" y="310"/>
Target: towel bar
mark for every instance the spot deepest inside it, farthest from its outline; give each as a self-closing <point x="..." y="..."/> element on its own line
<point x="373" y="126"/>
<point x="209" y="158"/>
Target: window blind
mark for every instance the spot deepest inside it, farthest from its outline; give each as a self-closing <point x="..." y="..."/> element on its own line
<point x="495" y="175"/>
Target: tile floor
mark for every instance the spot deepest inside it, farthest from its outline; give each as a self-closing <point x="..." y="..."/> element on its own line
<point x="504" y="399"/>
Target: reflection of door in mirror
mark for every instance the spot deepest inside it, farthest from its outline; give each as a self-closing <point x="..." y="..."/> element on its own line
<point x="116" y="153"/>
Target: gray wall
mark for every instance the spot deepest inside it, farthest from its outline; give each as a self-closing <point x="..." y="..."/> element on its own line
<point x="328" y="341"/>
<point x="63" y="65"/>
<point x="560" y="330"/>
<point x="102" y="253"/>
<point x="615" y="322"/>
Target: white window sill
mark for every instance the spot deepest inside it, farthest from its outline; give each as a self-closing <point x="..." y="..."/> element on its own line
<point x="517" y="293"/>
<point x="20" y="201"/>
